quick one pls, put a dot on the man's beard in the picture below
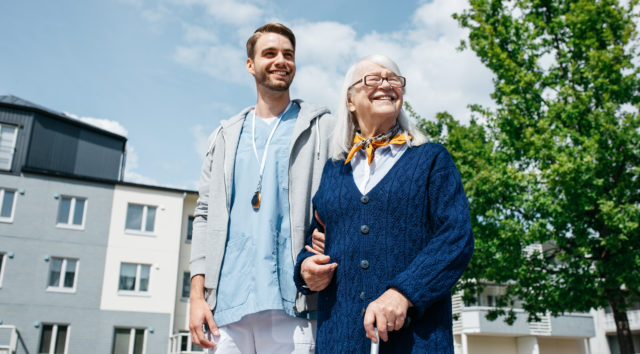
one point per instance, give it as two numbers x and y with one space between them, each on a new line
263 79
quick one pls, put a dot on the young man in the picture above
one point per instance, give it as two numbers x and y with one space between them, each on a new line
261 170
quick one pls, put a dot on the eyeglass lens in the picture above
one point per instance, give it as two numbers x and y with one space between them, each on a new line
376 80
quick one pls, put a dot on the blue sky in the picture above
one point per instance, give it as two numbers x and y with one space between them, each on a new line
165 72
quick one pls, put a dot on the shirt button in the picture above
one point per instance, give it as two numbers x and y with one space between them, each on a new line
363 311
364 199
364 229
364 264
362 296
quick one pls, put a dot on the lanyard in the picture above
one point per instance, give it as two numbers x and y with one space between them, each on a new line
255 201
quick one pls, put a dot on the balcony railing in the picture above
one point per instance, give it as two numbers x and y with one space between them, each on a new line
473 320
10 340
634 321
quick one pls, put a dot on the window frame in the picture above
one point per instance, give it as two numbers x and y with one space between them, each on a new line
54 337
72 208
13 147
63 270
189 235
136 287
144 220
186 284
132 338
184 337
13 204
3 265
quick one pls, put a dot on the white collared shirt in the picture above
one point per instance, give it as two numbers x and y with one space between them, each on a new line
367 176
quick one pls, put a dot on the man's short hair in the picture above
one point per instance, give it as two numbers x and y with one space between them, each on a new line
269 28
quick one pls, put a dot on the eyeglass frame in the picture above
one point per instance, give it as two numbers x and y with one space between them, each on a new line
383 79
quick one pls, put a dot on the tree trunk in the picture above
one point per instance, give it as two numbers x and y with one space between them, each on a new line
625 340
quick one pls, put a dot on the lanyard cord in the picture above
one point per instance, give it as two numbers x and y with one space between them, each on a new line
266 147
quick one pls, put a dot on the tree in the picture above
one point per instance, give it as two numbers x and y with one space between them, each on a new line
556 163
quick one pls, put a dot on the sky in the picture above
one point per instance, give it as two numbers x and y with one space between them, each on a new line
164 73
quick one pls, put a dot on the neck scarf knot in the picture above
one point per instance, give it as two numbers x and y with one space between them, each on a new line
370 145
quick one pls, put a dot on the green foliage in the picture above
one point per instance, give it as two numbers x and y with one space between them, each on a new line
556 163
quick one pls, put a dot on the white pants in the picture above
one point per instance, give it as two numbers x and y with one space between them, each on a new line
266 332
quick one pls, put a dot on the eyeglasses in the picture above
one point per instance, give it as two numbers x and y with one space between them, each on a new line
377 80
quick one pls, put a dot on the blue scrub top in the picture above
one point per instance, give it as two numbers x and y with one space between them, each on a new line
257 270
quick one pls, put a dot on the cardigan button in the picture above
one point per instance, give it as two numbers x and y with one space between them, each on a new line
364 264
363 312
364 199
364 229
362 296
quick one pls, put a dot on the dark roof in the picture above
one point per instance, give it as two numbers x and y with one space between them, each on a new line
105 181
17 102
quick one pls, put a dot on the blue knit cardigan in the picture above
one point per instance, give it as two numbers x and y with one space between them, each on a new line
411 232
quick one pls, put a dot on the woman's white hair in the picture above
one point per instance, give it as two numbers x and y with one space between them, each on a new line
346 121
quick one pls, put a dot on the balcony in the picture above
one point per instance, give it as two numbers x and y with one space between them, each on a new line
473 321
11 341
632 315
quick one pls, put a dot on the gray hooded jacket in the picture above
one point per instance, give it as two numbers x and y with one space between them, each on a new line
308 153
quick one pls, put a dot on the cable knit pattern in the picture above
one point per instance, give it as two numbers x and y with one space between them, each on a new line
411 232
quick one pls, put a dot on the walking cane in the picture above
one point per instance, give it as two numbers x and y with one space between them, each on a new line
375 347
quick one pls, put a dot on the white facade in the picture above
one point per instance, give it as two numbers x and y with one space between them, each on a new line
155 248
605 341
474 334
181 340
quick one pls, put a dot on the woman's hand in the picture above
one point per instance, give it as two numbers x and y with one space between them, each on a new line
317 238
387 313
315 271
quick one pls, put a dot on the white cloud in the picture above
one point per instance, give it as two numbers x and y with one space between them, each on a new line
223 62
200 139
228 11
440 78
198 34
102 123
324 44
317 85
130 173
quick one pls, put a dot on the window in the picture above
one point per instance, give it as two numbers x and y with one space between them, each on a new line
7 198
189 228
53 339
185 343
490 301
140 218
129 341
134 277
62 274
3 257
71 212
186 284
8 134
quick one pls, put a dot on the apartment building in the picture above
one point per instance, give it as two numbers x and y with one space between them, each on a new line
180 339
88 262
474 334
139 285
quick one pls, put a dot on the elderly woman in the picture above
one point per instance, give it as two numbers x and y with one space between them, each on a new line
398 233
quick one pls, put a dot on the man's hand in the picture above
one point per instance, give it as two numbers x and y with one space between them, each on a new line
317 238
199 314
316 272
387 312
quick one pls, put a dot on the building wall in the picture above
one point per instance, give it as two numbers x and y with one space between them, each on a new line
181 322
562 345
492 345
33 238
160 250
